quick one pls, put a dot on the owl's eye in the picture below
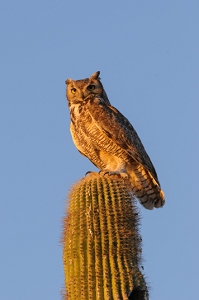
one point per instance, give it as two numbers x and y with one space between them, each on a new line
73 91
91 87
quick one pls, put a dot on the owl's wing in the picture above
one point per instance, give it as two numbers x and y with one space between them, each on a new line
108 119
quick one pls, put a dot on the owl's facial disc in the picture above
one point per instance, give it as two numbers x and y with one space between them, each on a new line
80 90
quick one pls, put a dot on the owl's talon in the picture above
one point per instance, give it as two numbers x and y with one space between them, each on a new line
104 172
89 173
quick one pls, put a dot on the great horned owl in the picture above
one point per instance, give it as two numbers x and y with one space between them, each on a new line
102 134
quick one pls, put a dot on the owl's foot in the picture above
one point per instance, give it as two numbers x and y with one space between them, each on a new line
121 174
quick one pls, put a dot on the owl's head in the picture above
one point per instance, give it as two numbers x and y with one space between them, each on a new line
80 90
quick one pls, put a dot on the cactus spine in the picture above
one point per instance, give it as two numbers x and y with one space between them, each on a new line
101 242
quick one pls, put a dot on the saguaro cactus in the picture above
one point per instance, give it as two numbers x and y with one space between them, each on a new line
101 242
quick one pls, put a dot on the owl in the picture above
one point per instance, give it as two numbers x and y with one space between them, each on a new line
102 134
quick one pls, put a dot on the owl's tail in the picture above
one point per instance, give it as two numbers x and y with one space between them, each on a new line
145 187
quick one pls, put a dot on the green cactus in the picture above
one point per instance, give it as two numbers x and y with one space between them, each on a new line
101 242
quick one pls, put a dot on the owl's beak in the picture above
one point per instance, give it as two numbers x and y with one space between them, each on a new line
82 96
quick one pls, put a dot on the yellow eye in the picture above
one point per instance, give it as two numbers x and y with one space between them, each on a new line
91 87
73 91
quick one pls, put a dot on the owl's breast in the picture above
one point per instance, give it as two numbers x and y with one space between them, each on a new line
83 131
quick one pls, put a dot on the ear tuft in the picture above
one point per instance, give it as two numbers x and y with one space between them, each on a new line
96 75
69 80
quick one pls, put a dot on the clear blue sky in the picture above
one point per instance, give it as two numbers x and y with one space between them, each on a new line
148 55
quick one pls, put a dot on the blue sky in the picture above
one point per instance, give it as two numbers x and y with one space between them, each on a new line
148 55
